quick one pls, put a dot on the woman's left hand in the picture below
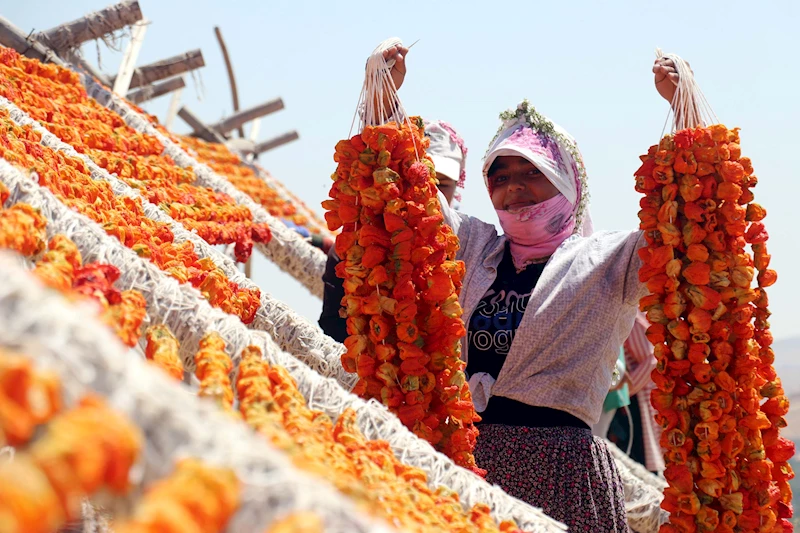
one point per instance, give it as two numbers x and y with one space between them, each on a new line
666 78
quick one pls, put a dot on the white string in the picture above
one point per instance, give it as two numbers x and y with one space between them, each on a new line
378 88
689 106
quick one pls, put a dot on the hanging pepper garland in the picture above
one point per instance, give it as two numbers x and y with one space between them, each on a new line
401 285
719 400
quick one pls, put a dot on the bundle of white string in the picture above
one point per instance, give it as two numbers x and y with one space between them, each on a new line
689 106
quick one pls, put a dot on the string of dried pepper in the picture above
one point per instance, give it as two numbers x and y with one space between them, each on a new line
162 350
22 228
28 397
365 470
42 488
726 462
195 497
213 366
401 286
298 522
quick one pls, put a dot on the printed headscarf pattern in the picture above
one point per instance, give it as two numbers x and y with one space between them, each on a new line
525 132
447 146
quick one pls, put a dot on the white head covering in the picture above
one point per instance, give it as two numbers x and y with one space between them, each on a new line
530 135
448 152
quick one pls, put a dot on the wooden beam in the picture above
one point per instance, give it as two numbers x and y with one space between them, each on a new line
95 25
200 129
243 146
126 69
155 90
246 115
231 77
76 59
13 37
167 68
276 142
172 110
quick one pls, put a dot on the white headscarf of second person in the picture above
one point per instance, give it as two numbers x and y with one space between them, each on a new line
449 155
536 230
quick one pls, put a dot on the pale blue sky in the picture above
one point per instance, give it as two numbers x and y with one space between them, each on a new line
586 64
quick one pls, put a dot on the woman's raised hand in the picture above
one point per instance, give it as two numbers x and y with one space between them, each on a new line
398 54
666 78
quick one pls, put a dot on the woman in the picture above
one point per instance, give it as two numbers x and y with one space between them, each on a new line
547 306
449 155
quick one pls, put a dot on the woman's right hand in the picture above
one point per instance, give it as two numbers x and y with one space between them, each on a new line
398 72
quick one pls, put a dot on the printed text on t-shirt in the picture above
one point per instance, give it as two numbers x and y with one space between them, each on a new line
496 319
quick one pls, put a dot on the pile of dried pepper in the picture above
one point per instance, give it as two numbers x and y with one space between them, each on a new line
60 266
718 398
42 488
122 217
195 497
401 283
54 97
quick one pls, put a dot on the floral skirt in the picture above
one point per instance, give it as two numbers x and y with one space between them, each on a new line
565 471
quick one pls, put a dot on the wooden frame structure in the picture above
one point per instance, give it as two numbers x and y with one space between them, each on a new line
61 45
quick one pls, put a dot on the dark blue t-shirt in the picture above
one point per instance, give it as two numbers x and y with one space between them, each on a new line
494 322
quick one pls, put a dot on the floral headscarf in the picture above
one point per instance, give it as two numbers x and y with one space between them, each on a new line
526 133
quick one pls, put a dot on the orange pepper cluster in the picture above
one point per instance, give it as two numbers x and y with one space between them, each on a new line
195 498
122 217
22 228
401 285
162 350
28 397
213 366
55 97
365 470
298 522
42 488
718 398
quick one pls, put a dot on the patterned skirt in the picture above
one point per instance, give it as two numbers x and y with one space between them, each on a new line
565 471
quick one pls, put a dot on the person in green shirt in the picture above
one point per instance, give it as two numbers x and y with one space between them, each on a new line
617 398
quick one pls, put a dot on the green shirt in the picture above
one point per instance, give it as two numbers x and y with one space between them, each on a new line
620 397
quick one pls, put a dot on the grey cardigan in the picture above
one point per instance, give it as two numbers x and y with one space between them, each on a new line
579 314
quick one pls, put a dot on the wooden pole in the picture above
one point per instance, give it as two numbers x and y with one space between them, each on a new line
155 90
200 129
255 127
126 69
231 77
246 115
276 142
95 25
13 37
167 68
172 111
